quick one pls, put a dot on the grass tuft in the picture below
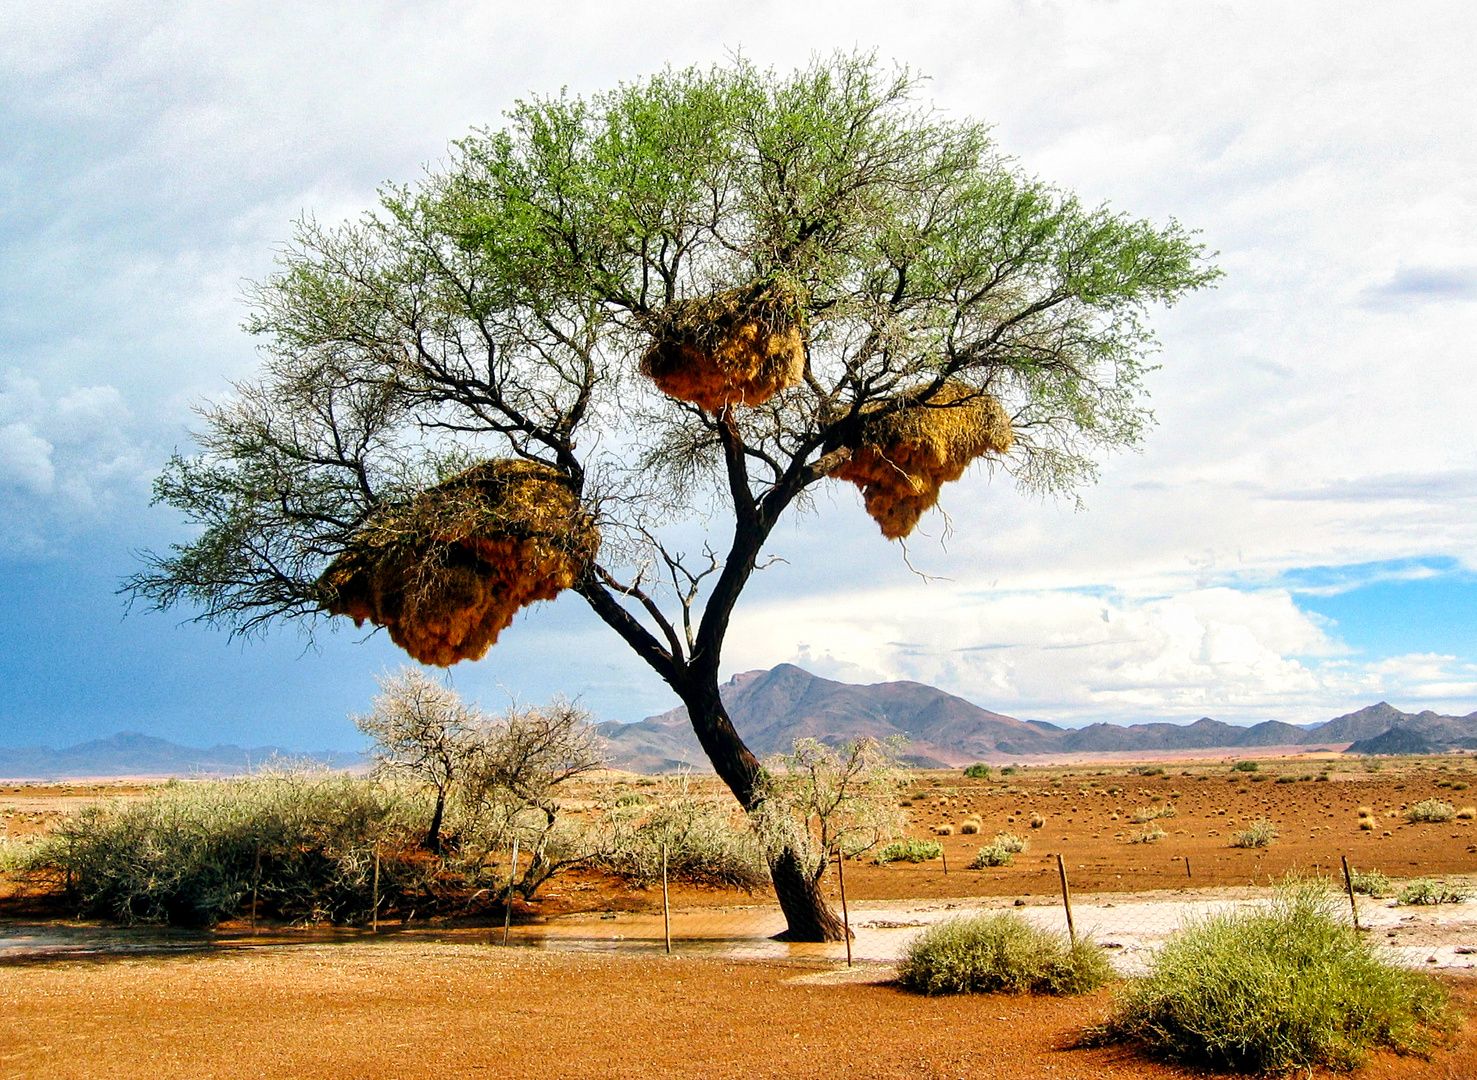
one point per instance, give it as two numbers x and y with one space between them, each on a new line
1285 987
1000 953
1259 833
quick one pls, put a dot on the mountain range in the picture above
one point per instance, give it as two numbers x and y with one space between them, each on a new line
773 708
131 754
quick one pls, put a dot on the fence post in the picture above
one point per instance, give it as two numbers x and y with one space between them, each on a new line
1349 884
945 856
256 879
512 879
1187 867
666 903
845 915
1061 869
374 912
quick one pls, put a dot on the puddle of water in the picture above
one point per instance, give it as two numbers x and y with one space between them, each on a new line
1134 929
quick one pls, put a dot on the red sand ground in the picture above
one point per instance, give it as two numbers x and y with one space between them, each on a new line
426 1010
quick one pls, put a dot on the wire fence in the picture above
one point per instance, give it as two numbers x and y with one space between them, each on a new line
1426 921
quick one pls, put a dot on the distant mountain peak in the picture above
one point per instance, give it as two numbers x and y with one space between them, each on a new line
773 708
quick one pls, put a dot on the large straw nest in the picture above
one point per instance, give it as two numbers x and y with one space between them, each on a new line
446 571
905 457
739 346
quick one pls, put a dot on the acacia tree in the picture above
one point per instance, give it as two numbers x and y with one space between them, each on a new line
498 307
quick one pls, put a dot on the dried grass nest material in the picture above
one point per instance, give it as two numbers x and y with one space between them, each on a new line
905 457
739 346
446 571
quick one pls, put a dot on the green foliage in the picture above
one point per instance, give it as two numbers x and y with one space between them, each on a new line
992 855
1000 953
978 771
908 850
1148 770
1370 882
1426 891
190 855
1245 766
1009 770
1276 989
504 295
1432 810
1259 833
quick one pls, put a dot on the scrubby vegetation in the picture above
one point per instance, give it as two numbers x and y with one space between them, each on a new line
991 855
194 854
978 771
1287 987
1432 810
909 850
1426 891
1000 953
1259 833
1370 883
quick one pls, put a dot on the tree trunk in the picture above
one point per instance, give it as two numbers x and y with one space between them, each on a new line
433 834
807 914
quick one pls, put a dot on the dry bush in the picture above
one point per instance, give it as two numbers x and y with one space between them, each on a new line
1148 836
1011 842
740 346
1467 813
446 571
1432 810
707 840
1259 833
905 457
969 828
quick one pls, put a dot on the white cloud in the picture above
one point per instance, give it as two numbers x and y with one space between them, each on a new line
25 460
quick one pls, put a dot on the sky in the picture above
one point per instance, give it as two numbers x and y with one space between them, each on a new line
1297 537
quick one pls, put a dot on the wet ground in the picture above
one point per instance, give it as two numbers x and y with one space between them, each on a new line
1130 926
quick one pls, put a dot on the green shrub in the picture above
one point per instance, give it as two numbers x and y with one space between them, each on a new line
1370 883
991 855
1011 842
1000 953
1286 987
1289 779
1426 891
978 771
908 850
1148 770
1009 770
190 854
1245 766
1431 810
1259 833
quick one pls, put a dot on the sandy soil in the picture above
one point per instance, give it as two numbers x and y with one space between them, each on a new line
434 1010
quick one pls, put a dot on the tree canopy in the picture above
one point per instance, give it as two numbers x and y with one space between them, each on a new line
570 290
